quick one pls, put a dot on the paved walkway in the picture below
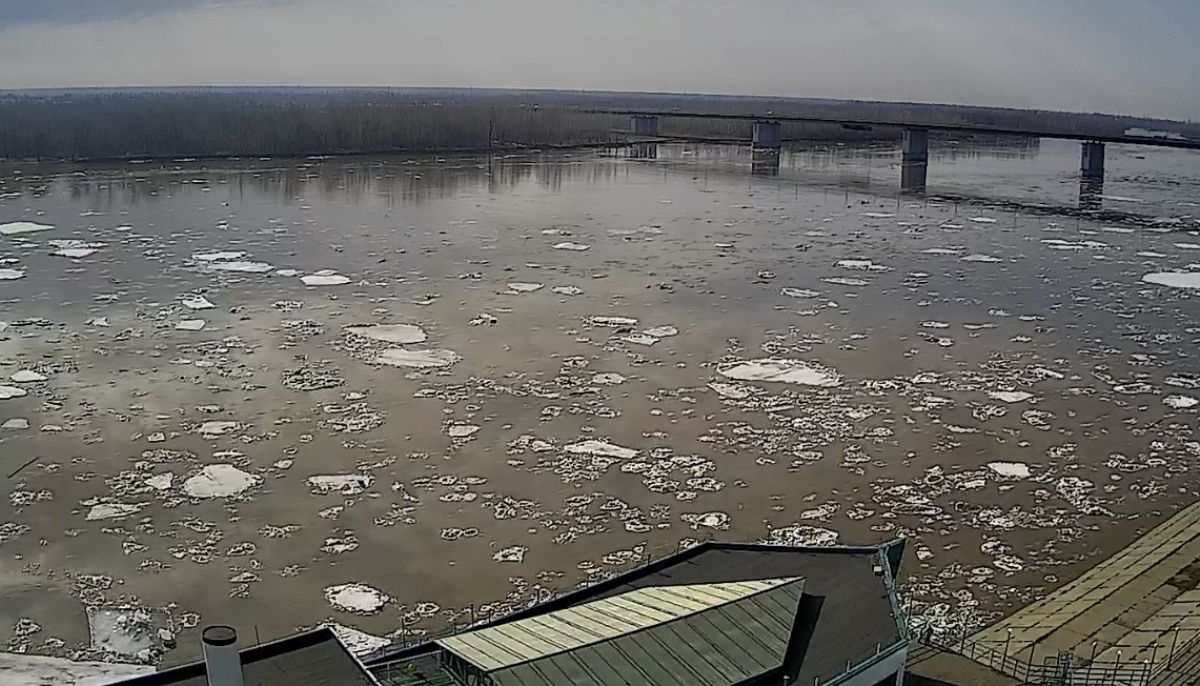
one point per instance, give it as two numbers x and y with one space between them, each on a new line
1128 617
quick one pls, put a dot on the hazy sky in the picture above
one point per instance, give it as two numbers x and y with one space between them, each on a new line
1135 57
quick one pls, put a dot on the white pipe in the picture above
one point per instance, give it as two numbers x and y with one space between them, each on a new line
222 662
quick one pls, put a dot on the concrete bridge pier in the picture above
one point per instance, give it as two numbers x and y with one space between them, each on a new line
767 134
643 125
914 166
916 146
1091 165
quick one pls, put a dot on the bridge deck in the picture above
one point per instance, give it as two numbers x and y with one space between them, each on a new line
1184 144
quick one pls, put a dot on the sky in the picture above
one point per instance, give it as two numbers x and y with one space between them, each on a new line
1139 58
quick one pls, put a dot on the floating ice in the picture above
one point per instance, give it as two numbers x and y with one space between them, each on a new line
1150 253
97 321
522 287
356 598
940 251
608 379
1010 396
709 520
74 248
217 427
325 277
799 292
1180 402
1188 246
345 484
219 481
567 290
461 430
802 535
15 228
160 482
190 325
614 322
514 553
783 371
418 359
982 220
113 510
7 274
225 256
241 266
578 247
27 376
15 423
400 334
197 302
1174 279
601 448
731 391
1010 470
640 339
842 281
661 331
9 392
862 265
878 215
980 257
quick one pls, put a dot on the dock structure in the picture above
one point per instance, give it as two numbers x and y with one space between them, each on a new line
1132 620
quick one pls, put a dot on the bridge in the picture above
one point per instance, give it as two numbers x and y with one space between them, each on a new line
767 135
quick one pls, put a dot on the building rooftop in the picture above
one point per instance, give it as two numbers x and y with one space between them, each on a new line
804 612
702 634
313 658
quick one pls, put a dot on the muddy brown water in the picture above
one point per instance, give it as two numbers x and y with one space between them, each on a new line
947 335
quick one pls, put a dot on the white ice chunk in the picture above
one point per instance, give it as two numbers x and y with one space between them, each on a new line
113 510
15 228
190 324
198 302
399 334
356 598
219 481
783 371
601 448
325 277
418 359
9 392
27 376
1010 470
1174 279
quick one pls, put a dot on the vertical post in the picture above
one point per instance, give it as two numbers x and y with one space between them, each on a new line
1174 642
1007 640
1091 165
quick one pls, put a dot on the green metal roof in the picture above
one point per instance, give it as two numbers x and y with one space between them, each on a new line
693 635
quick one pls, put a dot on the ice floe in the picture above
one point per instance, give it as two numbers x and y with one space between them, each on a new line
1010 470
27 376
1174 279
324 277
417 359
16 228
7 274
356 598
400 334
600 448
782 371
10 392
219 481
